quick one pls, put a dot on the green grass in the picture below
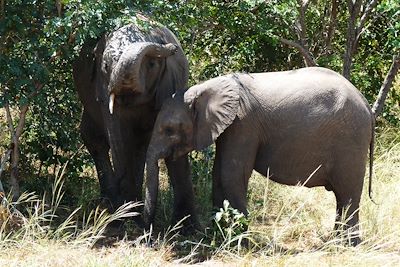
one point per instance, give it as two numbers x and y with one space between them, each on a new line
287 226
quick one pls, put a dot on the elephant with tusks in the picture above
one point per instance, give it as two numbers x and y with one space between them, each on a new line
122 81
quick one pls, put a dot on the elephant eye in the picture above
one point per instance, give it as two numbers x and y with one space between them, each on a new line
151 63
169 131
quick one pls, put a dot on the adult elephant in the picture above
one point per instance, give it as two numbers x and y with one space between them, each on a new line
308 126
122 80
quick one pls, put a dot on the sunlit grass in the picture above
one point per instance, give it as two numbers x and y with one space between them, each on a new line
32 219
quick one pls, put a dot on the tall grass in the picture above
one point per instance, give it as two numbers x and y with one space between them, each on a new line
39 219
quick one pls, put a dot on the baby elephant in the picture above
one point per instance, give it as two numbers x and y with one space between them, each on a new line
289 124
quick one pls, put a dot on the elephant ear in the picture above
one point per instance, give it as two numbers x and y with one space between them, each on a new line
96 72
176 74
214 105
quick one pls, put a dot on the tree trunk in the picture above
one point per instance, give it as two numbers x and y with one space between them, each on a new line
302 33
15 135
4 160
332 24
387 84
354 9
354 31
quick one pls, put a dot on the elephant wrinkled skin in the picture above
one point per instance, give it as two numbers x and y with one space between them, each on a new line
289 125
122 80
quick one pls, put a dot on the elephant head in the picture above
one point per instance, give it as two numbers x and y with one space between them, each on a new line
141 66
137 70
189 121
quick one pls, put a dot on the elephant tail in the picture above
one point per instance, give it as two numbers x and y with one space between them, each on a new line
371 160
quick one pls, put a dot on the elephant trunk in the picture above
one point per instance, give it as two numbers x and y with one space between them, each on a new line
116 143
157 149
126 76
151 188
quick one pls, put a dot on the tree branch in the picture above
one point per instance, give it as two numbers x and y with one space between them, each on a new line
1 8
332 23
371 5
304 51
21 122
256 8
386 85
59 7
354 11
302 31
10 122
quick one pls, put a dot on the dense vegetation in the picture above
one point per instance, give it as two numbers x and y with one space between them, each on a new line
40 112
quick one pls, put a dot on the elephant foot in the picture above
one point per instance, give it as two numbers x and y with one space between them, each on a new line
189 225
139 222
344 241
351 239
115 229
113 233
355 241
347 237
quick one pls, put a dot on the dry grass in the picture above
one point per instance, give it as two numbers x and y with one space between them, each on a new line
49 253
289 226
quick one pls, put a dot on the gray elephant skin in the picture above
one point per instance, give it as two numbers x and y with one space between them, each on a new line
122 79
290 125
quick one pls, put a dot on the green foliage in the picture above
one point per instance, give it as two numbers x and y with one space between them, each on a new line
201 168
375 55
228 226
223 36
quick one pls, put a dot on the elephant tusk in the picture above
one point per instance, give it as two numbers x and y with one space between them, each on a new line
111 103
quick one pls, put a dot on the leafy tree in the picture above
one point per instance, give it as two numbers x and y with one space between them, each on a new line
38 41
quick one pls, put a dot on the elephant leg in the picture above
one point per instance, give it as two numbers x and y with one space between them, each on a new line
96 142
347 217
347 187
179 173
131 181
234 163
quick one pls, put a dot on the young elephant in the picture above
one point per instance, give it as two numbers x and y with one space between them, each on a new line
293 123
